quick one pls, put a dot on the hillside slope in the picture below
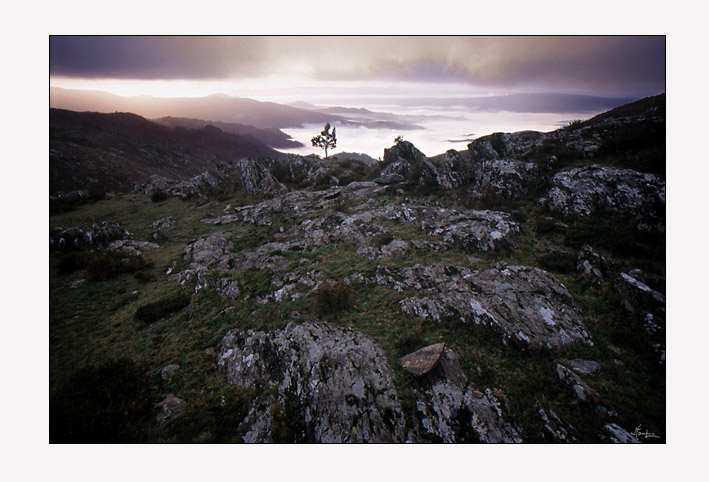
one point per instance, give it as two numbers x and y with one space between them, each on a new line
114 151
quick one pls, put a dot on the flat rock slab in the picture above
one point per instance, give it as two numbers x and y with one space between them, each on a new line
422 361
584 367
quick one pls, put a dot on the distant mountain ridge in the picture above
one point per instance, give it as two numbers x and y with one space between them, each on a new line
213 108
275 138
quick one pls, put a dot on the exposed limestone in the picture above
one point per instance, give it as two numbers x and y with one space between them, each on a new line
580 388
246 174
131 247
591 264
403 162
504 179
526 305
96 237
505 145
615 434
336 380
529 305
449 409
586 190
559 431
584 367
645 304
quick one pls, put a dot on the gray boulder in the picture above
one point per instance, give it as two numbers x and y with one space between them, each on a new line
335 381
587 190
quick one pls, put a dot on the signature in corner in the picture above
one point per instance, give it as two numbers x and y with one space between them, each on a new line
637 433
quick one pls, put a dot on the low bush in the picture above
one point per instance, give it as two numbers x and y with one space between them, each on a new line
106 403
558 262
158 196
104 265
333 297
160 309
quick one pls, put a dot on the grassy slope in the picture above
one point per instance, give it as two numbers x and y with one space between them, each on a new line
95 322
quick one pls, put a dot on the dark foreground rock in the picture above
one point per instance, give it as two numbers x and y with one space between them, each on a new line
334 382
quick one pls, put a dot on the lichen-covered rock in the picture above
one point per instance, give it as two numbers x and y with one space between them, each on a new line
257 179
584 367
613 433
559 431
422 361
472 230
646 304
403 162
530 305
246 174
525 305
449 409
335 383
504 179
580 388
592 265
170 408
586 190
505 145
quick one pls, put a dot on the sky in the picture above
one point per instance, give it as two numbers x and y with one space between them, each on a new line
419 75
629 66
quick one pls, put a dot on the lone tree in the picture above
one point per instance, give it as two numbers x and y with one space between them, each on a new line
326 139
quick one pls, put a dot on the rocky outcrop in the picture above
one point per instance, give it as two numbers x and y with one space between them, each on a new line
557 430
244 175
404 163
646 304
449 409
587 190
504 179
334 384
527 306
100 235
584 367
505 145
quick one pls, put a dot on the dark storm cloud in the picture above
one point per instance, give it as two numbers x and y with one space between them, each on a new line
134 57
607 65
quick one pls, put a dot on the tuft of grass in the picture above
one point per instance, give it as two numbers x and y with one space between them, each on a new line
256 281
159 196
104 265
